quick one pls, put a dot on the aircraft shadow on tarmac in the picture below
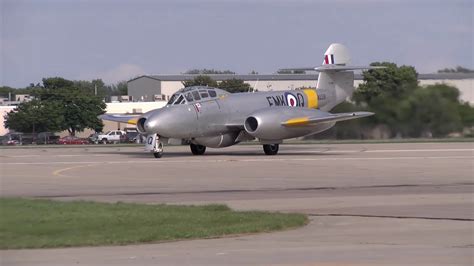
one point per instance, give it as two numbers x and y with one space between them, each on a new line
216 153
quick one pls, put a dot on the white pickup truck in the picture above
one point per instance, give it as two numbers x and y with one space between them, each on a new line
112 136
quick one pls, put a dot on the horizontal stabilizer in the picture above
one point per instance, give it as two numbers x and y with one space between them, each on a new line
129 119
328 68
308 121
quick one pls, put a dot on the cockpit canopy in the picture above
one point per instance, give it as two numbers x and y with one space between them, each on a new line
195 94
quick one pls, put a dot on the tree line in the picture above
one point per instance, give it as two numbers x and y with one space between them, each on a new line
403 108
59 104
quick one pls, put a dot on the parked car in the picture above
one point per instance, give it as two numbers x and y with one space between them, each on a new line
113 136
46 138
72 140
132 137
93 138
12 139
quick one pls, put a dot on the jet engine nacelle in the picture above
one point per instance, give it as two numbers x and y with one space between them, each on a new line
220 141
266 124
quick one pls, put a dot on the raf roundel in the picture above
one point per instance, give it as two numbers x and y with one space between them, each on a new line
291 100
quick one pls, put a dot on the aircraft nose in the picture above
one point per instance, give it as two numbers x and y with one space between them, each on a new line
152 124
175 122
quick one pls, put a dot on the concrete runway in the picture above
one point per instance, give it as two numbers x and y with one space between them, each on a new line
369 204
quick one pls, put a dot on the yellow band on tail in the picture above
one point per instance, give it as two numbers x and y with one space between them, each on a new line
312 97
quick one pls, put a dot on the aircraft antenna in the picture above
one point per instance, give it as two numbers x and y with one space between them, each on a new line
255 86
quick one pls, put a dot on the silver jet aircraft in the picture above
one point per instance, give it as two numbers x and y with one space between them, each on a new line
210 117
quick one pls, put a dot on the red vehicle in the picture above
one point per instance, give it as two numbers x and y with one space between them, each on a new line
72 140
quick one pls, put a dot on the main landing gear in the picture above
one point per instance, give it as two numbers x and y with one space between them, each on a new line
197 149
270 149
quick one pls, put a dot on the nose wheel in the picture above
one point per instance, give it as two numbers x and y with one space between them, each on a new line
158 151
270 149
154 145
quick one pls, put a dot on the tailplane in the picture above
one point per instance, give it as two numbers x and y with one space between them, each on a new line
336 75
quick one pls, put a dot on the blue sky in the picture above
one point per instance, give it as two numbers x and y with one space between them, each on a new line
118 40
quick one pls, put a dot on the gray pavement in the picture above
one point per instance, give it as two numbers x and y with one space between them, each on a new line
369 204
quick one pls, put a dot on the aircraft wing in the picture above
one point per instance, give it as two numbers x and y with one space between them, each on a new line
129 119
309 121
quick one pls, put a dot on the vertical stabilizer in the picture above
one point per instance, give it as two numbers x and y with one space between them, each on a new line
335 85
337 54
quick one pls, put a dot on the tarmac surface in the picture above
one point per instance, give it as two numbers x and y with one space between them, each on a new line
369 204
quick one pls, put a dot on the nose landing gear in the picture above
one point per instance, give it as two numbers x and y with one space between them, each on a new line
154 145
158 151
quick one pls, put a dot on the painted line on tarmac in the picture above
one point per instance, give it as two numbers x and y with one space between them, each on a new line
60 172
422 150
161 161
391 216
56 155
262 190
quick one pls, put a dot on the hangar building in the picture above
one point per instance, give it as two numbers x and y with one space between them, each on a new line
150 88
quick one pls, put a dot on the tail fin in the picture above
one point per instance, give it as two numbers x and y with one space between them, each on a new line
337 54
336 76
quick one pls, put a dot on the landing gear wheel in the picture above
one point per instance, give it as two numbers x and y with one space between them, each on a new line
197 149
158 150
270 149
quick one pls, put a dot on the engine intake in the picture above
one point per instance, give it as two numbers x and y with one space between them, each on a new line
251 124
141 125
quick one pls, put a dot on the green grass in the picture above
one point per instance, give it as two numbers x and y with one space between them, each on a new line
27 223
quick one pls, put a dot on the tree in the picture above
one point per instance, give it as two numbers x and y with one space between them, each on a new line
95 87
382 92
430 111
234 85
120 88
407 109
291 71
200 80
79 106
35 116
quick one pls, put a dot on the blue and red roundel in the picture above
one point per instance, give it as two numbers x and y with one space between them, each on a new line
291 99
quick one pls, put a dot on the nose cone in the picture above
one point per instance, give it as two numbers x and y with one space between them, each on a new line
151 124
172 122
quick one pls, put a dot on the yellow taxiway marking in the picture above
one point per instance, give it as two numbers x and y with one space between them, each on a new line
60 172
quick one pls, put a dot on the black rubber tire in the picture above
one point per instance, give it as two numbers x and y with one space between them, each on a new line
158 154
197 149
271 149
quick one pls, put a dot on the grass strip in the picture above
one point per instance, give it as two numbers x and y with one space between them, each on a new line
33 223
